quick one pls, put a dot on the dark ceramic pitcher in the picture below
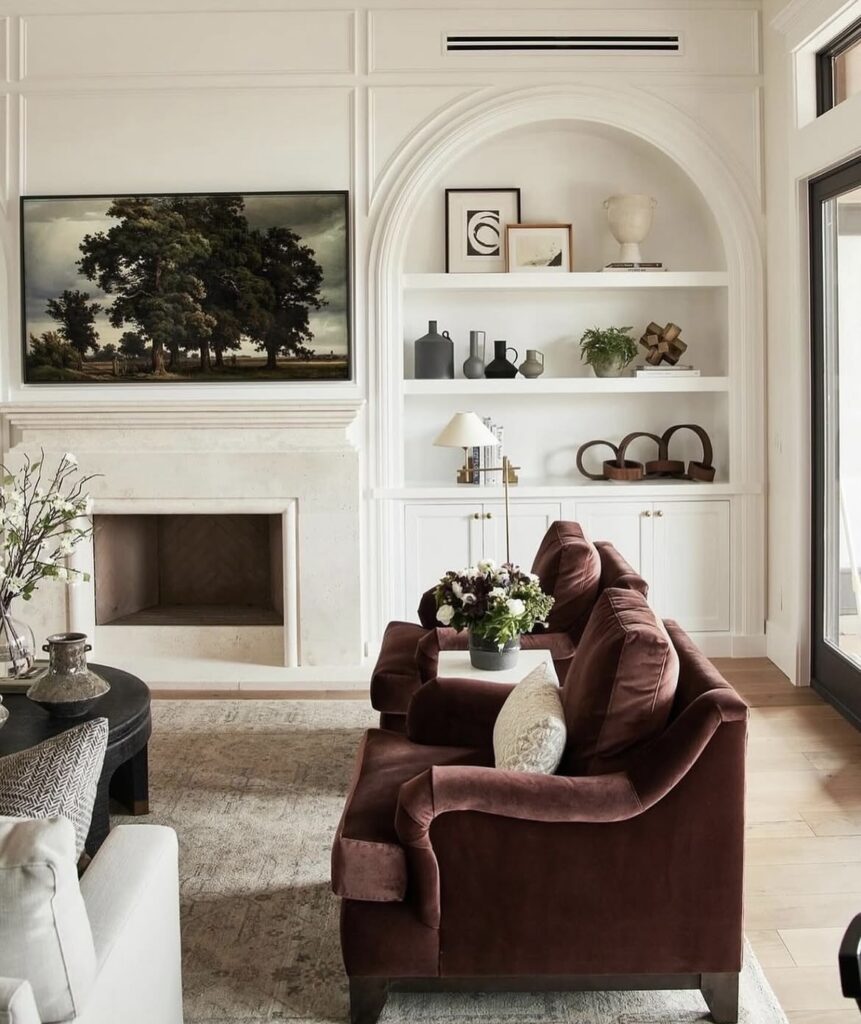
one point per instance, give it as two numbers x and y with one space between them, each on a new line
500 366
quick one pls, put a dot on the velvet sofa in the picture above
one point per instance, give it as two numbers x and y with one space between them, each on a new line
571 569
622 871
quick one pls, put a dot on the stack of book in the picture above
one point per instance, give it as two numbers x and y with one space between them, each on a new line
488 457
666 370
629 267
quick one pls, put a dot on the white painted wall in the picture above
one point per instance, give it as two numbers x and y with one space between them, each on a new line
312 95
798 146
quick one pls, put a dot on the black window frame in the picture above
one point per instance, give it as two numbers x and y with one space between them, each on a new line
825 66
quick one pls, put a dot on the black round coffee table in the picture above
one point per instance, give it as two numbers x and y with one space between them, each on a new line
125 775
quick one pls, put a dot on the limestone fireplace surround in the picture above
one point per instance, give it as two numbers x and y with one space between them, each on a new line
295 462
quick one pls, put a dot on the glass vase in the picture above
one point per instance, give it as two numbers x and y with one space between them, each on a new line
17 647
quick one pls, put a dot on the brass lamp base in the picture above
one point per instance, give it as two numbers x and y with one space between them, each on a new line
465 473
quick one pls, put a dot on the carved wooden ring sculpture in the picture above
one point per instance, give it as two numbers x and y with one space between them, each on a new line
592 444
628 469
703 470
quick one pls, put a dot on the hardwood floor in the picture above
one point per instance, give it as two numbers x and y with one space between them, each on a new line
803 875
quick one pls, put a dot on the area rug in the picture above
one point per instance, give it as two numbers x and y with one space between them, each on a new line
255 791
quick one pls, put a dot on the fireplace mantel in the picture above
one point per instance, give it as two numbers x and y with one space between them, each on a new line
294 458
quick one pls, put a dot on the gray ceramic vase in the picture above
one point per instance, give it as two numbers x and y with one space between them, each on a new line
434 355
473 367
489 657
67 688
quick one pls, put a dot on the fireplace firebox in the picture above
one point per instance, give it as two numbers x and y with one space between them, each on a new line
188 570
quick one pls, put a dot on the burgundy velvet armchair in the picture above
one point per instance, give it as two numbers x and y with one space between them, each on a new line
456 875
571 569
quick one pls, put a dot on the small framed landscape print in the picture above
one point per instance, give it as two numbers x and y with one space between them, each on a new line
539 248
475 224
195 287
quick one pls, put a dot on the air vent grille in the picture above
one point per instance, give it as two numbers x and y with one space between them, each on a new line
591 43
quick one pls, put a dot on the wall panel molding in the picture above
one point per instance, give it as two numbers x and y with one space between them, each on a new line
59 46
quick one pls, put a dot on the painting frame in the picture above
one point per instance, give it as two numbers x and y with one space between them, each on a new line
458 259
562 246
345 373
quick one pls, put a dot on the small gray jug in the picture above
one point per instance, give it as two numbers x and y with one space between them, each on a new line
473 367
67 688
533 364
434 355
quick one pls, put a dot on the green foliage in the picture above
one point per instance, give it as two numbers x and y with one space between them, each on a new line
496 603
76 317
50 349
611 345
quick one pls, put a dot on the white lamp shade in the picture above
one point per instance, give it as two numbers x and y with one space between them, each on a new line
465 430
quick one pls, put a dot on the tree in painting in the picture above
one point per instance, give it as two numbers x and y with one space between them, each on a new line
76 317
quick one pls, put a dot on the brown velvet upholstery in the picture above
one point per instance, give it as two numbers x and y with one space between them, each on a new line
621 687
456 712
368 862
569 567
408 656
508 875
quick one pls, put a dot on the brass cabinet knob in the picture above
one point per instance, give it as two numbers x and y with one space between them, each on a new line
646 513
488 515
476 515
658 513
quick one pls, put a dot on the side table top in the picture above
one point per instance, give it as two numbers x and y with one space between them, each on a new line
456 665
126 706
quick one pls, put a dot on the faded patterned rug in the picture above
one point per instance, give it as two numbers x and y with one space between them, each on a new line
255 790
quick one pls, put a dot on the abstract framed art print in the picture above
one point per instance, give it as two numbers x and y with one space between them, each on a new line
475 223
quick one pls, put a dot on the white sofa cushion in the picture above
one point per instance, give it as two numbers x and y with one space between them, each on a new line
529 734
45 935
56 778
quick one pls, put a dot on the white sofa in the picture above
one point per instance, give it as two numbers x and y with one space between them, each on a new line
131 895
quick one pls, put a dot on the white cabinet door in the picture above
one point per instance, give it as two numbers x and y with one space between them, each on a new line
528 522
691 564
625 524
437 538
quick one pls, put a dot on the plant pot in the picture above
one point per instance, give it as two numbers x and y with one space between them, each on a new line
487 655
611 368
17 648
67 688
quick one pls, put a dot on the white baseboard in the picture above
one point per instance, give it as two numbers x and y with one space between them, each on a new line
730 645
781 648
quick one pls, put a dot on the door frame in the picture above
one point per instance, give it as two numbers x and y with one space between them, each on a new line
832 675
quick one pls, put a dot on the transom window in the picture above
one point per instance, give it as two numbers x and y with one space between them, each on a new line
838 69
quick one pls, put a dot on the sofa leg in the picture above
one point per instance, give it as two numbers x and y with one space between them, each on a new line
720 992
367 998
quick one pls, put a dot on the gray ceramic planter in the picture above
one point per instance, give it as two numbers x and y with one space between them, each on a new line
487 656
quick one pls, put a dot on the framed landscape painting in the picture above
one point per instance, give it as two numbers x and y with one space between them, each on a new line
209 287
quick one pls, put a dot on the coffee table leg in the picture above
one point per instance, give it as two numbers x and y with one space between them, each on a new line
130 783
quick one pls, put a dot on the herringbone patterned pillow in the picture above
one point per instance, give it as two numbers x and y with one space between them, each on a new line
57 778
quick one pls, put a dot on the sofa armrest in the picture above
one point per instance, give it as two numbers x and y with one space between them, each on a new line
131 891
456 712
427 609
593 800
17 1002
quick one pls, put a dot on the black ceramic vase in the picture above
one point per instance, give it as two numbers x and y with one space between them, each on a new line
434 355
500 366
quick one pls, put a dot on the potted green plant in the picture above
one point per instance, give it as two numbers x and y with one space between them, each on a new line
607 351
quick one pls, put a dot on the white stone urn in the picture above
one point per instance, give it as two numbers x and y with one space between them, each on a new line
630 218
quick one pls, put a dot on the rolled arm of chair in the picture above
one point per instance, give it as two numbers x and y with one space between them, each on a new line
427 609
595 799
17 1002
456 712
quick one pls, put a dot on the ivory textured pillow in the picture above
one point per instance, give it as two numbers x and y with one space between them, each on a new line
529 734
45 934
57 778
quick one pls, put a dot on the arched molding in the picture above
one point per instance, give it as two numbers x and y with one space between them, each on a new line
731 198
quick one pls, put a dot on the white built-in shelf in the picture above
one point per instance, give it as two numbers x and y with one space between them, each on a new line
566 489
523 387
553 281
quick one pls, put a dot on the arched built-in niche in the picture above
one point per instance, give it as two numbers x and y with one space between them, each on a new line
719 196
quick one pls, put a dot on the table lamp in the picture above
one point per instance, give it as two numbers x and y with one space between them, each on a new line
465 430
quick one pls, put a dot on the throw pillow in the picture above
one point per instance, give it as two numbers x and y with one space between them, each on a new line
45 934
620 690
569 567
529 734
57 778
